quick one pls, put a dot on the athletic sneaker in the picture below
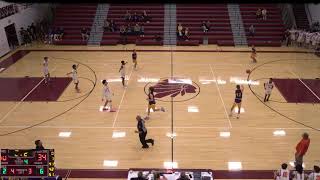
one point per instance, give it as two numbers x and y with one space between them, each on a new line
162 109
152 142
238 116
145 147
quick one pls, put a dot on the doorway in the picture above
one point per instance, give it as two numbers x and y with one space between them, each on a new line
12 36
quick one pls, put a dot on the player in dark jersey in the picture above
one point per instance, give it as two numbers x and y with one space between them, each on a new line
152 102
253 54
237 100
134 59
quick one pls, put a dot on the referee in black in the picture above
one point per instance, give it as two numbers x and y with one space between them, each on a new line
142 130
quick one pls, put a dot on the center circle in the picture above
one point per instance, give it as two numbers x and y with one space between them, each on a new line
173 89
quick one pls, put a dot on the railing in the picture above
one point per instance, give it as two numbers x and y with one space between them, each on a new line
288 17
306 7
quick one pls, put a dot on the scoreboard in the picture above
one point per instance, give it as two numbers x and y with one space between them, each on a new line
27 163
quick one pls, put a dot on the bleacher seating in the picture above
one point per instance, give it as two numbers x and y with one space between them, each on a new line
117 12
72 18
192 16
267 32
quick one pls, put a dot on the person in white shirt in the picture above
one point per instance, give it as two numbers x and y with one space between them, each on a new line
315 175
300 38
122 71
283 173
298 174
293 36
264 14
268 86
314 40
46 69
308 39
107 96
75 79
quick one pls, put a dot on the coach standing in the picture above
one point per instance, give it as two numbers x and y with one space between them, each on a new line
142 130
302 148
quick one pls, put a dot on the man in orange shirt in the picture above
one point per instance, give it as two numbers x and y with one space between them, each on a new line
302 148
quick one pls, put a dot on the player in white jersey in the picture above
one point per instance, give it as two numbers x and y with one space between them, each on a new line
283 173
122 71
107 95
74 73
46 69
268 86
300 39
315 175
298 174
314 40
308 39
292 36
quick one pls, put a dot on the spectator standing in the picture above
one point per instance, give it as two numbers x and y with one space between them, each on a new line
264 14
186 34
301 149
251 30
39 145
84 34
142 31
183 176
258 14
142 130
204 27
113 25
107 26
137 29
180 28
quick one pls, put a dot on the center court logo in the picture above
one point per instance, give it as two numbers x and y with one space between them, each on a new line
177 88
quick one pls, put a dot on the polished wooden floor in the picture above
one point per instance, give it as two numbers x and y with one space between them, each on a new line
198 143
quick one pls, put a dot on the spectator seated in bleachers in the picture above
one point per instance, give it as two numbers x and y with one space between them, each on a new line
315 174
251 30
157 37
204 27
127 16
145 17
179 31
137 29
85 32
56 34
107 26
264 14
122 30
259 14
136 17
61 33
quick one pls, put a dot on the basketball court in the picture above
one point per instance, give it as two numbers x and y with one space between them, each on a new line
204 136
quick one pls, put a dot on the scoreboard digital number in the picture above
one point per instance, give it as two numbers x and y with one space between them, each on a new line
27 163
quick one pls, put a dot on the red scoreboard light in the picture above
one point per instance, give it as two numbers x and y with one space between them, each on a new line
27 163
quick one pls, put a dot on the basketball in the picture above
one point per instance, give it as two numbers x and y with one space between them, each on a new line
248 71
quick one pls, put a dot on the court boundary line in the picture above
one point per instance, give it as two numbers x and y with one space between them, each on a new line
225 109
123 94
154 127
305 84
25 97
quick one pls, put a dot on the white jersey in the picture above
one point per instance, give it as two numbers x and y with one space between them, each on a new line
75 76
293 35
123 71
314 176
297 176
268 87
314 39
45 68
301 37
283 174
308 37
106 92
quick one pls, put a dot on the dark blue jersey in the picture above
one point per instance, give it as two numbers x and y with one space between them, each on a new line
238 94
